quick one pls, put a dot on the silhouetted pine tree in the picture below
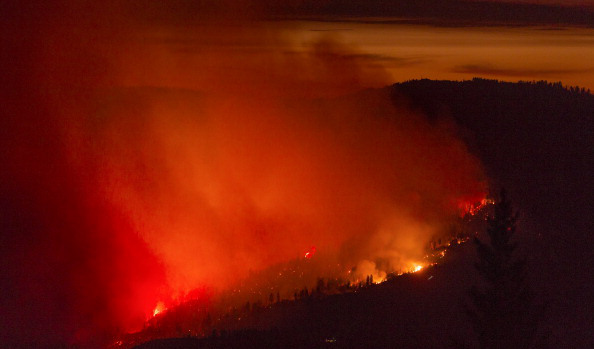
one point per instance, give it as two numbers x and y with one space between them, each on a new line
502 311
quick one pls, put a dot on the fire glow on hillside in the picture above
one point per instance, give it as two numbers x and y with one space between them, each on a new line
157 184
301 279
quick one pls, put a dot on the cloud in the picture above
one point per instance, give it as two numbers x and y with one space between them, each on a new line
491 70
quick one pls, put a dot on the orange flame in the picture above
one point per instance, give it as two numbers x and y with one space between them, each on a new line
159 308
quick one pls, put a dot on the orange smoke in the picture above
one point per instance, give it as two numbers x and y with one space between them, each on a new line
218 186
182 158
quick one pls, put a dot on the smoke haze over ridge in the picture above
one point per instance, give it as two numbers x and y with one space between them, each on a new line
144 161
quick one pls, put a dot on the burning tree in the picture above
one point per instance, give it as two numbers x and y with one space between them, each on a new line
503 314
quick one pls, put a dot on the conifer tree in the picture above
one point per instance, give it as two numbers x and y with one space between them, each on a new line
502 310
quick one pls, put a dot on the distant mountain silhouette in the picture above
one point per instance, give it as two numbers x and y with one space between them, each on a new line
535 139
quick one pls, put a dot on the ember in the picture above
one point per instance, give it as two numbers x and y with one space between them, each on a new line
311 252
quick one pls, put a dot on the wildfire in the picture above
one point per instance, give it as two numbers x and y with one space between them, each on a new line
310 253
360 276
159 308
472 209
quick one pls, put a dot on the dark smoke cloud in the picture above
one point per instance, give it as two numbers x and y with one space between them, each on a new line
143 161
490 70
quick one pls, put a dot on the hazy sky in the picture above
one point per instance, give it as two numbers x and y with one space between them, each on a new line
413 52
404 51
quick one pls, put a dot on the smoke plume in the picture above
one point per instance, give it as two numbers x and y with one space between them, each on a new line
145 160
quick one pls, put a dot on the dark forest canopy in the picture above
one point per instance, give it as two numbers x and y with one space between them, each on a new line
528 135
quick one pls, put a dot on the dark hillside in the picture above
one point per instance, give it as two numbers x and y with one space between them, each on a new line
420 310
536 140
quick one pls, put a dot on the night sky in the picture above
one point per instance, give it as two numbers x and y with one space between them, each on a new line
151 151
